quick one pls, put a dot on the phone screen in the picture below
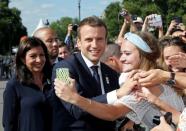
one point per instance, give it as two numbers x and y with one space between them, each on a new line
63 74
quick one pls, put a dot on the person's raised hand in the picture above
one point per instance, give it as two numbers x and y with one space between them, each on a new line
69 29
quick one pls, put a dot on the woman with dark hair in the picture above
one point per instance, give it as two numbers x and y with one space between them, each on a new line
25 96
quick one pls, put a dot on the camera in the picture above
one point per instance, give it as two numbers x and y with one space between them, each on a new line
75 27
155 20
123 13
167 116
134 17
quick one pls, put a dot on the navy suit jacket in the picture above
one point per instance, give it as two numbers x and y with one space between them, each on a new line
68 117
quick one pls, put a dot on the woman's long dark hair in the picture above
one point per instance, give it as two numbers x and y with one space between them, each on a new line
23 74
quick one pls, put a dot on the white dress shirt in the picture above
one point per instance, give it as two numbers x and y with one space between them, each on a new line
111 96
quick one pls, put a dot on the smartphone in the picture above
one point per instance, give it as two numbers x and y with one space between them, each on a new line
123 13
63 74
74 27
155 20
177 19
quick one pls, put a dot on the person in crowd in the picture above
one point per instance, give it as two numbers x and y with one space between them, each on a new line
154 77
49 37
176 29
68 39
138 21
7 61
71 31
128 21
145 94
157 76
179 33
178 118
148 24
173 25
176 60
111 57
64 52
94 79
172 57
172 47
25 97
139 51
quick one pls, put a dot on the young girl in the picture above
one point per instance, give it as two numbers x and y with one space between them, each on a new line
139 51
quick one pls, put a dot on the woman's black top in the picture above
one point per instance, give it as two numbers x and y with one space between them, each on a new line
26 107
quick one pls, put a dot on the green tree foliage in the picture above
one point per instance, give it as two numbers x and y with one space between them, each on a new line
112 20
166 8
11 28
5 2
60 26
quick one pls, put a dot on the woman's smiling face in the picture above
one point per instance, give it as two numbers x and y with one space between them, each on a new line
130 56
35 59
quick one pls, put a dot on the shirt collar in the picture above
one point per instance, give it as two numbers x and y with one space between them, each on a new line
56 60
88 62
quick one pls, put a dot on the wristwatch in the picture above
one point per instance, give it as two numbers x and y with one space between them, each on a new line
171 82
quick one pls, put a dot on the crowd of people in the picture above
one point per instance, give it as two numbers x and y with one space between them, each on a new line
6 66
103 86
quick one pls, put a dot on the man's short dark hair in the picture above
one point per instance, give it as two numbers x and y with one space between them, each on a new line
93 21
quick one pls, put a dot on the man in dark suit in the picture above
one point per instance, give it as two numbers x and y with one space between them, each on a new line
92 41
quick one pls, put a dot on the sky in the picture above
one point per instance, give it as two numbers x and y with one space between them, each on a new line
34 10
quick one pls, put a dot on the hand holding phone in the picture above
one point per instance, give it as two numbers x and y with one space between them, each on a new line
63 74
155 20
123 12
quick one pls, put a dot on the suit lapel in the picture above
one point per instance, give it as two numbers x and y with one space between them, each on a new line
86 74
82 62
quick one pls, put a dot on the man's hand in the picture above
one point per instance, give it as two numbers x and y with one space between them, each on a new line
64 91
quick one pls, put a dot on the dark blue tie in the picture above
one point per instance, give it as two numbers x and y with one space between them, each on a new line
97 79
